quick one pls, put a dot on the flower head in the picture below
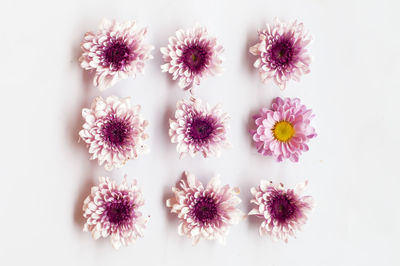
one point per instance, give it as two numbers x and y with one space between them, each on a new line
115 52
204 212
112 210
191 55
198 128
281 52
283 211
284 130
113 131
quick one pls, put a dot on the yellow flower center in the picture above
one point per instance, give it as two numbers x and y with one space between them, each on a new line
283 131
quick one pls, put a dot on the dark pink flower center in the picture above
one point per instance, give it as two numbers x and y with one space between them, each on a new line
120 211
205 209
281 52
116 132
195 57
117 54
281 208
201 129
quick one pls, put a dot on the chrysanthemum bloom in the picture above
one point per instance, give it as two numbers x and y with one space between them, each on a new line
112 210
198 128
115 52
284 130
113 131
284 212
192 55
204 212
281 52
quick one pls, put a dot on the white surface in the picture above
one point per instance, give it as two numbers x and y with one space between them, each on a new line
352 165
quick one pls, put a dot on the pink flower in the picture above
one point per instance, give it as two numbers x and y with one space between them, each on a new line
112 210
191 55
284 212
284 130
115 52
113 131
281 52
204 212
198 128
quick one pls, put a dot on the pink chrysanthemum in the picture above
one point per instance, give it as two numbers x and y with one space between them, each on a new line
282 53
198 128
284 130
113 131
204 212
115 52
284 211
112 210
192 55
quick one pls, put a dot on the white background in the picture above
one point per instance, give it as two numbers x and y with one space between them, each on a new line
352 165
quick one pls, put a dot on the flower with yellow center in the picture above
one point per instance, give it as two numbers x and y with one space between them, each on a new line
283 131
